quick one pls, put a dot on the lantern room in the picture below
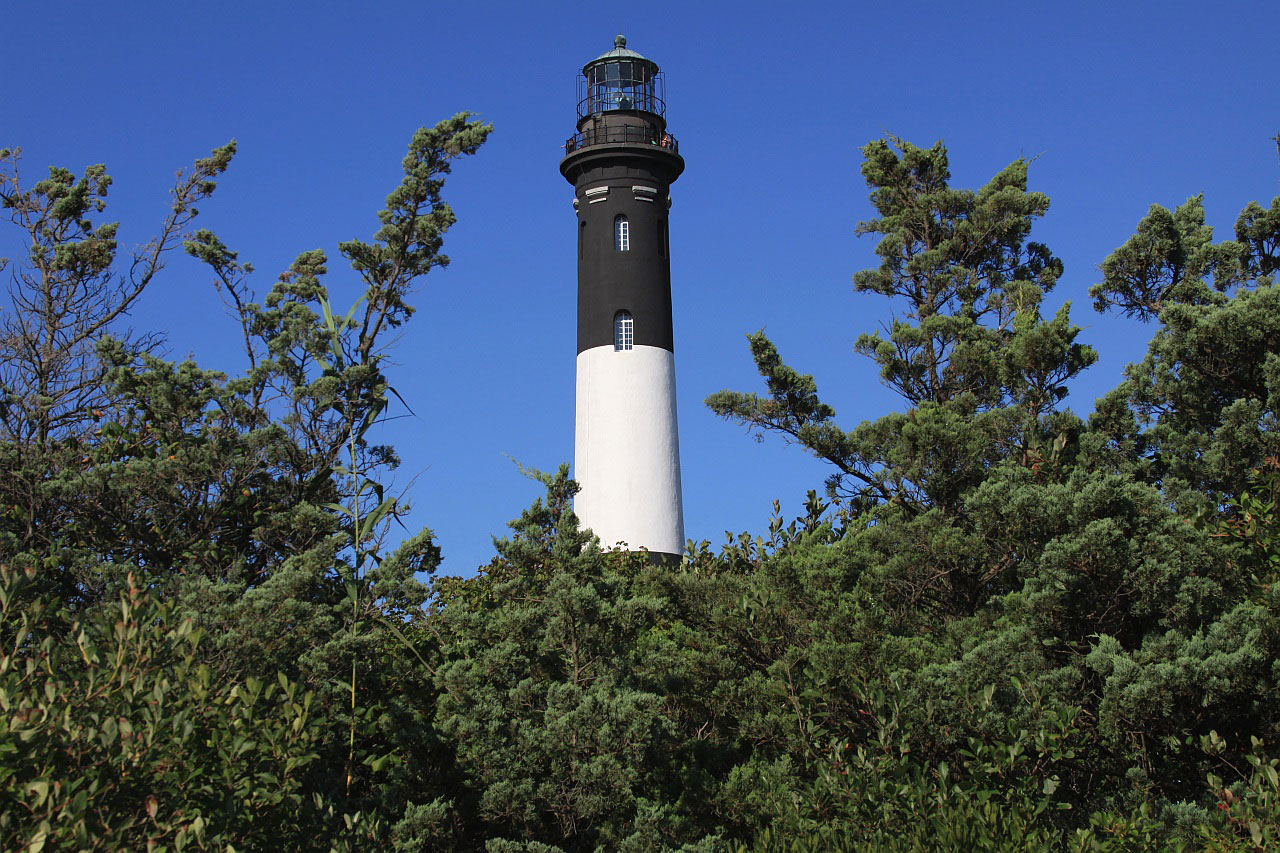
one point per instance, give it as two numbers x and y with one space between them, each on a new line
621 101
620 79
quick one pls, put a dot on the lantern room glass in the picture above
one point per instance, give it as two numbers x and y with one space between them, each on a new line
622 85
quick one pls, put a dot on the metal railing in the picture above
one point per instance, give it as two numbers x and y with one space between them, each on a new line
607 101
621 133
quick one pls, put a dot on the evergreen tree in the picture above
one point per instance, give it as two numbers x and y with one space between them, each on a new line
71 290
1199 413
249 505
981 371
562 735
992 545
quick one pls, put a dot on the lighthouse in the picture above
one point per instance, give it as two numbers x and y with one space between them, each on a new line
622 161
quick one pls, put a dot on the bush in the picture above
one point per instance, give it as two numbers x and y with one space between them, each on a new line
116 736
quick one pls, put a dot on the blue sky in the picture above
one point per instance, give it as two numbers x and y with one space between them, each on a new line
1120 104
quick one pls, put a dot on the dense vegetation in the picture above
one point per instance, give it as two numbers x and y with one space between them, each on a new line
1001 626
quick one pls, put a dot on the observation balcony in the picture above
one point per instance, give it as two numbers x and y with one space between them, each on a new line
629 134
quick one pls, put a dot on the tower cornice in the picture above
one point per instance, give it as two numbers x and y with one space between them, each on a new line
662 161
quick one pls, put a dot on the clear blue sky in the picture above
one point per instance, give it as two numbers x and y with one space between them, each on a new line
1121 104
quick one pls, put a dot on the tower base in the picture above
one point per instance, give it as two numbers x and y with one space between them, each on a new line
626 450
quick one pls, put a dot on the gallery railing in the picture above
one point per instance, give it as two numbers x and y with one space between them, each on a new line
634 134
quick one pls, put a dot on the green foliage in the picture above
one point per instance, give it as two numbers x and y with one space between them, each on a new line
1167 262
980 368
543 689
70 290
881 796
1199 411
117 735
1202 405
1248 812
250 507
989 538
1002 628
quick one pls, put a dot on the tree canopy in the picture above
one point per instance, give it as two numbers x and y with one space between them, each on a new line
1002 625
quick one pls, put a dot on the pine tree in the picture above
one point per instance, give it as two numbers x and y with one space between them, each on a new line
251 505
980 370
562 735
1199 413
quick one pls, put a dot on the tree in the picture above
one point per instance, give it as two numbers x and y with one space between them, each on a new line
561 734
70 291
992 545
226 478
977 349
1199 413
117 735
252 505
980 369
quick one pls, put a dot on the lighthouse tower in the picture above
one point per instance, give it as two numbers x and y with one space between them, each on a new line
622 162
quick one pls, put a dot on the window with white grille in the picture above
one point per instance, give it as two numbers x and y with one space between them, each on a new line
624 331
621 233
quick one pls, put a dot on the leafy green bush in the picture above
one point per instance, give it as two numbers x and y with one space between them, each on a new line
116 736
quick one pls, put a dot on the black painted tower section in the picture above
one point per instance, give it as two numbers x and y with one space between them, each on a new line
622 161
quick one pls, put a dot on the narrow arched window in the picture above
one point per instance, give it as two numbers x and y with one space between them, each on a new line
662 236
621 233
582 235
624 331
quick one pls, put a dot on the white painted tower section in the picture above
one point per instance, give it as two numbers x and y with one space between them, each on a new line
626 449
